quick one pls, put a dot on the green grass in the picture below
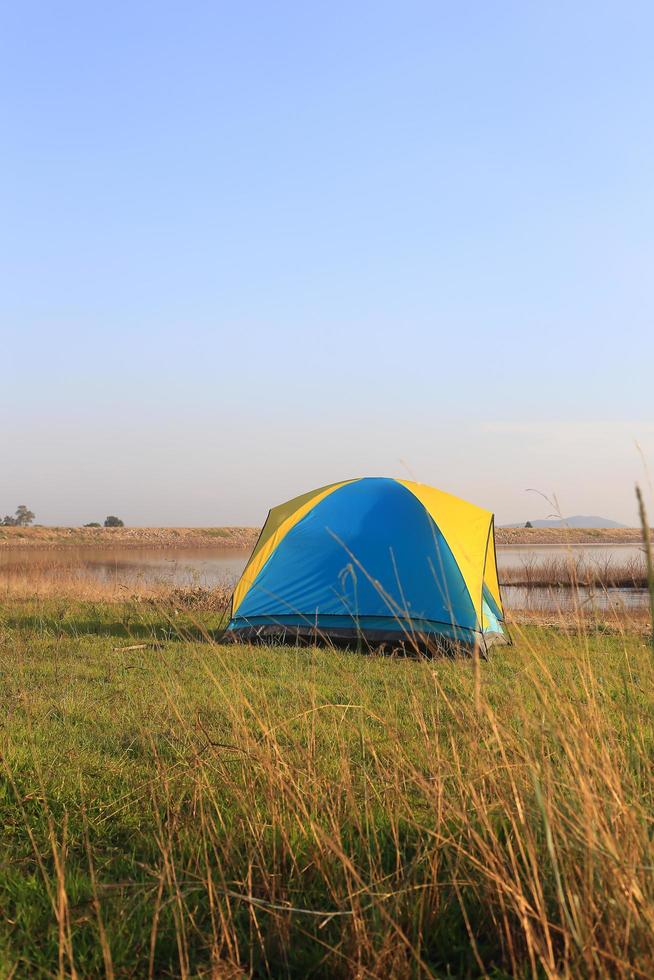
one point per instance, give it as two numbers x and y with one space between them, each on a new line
190 809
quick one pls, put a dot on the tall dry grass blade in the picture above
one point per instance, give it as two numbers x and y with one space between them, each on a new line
648 554
102 932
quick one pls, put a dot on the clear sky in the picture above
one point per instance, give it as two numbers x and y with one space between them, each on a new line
252 248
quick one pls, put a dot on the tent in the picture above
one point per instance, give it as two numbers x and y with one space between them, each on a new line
373 559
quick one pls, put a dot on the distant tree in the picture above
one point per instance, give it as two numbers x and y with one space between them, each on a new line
93 524
24 516
112 521
8 521
529 524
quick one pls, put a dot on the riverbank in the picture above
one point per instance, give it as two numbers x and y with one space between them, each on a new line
236 538
244 538
568 535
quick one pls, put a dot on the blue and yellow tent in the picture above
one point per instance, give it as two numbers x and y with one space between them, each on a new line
377 559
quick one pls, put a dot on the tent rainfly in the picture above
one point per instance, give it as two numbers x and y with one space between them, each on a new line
376 560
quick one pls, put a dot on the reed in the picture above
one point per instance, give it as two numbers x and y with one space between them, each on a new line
58 583
648 553
58 580
572 571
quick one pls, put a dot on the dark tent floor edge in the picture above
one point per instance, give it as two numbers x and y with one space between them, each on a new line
363 631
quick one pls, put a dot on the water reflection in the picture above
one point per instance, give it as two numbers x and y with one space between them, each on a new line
210 567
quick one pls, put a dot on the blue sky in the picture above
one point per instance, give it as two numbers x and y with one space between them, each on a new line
253 248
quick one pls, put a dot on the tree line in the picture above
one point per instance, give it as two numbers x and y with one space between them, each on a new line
23 516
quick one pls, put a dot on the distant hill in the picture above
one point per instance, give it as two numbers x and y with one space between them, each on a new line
579 520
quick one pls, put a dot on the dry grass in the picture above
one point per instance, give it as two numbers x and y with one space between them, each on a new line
55 580
243 538
58 582
618 619
568 535
573 570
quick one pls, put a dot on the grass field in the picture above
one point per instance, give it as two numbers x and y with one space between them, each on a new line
189 809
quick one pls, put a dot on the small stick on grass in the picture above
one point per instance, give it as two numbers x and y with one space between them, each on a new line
137 646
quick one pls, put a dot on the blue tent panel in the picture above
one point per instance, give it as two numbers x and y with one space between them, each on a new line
336 567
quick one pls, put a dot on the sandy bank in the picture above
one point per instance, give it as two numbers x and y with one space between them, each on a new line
245 537
129 537
570 535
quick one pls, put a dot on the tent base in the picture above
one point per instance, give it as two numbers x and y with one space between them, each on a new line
370 640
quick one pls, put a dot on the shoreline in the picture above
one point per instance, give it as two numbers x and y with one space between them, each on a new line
568 535
244 538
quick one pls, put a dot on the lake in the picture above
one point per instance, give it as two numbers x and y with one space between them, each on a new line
209 567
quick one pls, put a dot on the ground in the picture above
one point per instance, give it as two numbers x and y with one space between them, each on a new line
128 537
175 807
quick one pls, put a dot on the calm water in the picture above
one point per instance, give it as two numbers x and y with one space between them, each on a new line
517 597
214 566
601 555
131 566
